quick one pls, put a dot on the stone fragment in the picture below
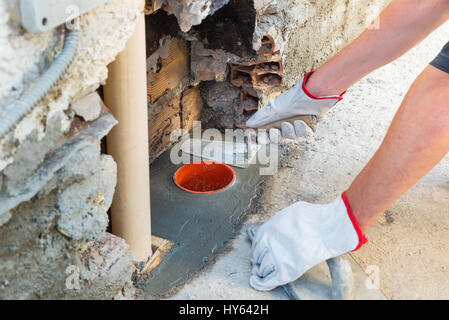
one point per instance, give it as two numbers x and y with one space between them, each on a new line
105 269
220 101
208 64
84 205
88 135
88 107
191 12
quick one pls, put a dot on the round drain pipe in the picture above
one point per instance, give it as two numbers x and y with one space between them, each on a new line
125 94
204 177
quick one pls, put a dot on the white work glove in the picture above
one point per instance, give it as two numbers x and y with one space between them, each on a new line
292 105
298 238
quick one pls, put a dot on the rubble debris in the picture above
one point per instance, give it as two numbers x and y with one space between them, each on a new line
206 64
230 29
88 107
192 12
222 104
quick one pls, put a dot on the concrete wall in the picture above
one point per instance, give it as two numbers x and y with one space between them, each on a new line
306 32
55 184
314 31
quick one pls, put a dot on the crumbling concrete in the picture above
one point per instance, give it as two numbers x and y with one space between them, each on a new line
40 180
88 107
229 29
321 30
270 44
321 26
192 12
56 186
84 205
24 57
103 266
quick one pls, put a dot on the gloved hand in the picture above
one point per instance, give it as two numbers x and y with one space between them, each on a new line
298 238
294 104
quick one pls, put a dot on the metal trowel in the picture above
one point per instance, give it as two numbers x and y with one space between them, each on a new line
238 154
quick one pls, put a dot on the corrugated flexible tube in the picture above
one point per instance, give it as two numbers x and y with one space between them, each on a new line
22 106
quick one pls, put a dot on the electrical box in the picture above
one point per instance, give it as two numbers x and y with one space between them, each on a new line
43 15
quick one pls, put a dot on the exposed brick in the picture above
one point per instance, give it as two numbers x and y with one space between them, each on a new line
172 70
256 77
162 125
259 75
191 106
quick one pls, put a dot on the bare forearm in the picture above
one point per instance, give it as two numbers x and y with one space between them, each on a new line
417 140
403 24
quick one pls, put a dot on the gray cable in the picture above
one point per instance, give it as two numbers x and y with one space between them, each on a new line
22 106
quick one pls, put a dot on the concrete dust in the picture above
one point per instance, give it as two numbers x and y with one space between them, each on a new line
408 244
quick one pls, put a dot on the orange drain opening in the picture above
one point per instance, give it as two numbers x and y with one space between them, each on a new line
204 177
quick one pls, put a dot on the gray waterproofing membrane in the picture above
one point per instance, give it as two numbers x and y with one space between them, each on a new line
197 224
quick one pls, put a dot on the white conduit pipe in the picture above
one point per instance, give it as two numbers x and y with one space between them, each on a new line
31 97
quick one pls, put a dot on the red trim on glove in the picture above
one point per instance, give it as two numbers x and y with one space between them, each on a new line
362 238
311 95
